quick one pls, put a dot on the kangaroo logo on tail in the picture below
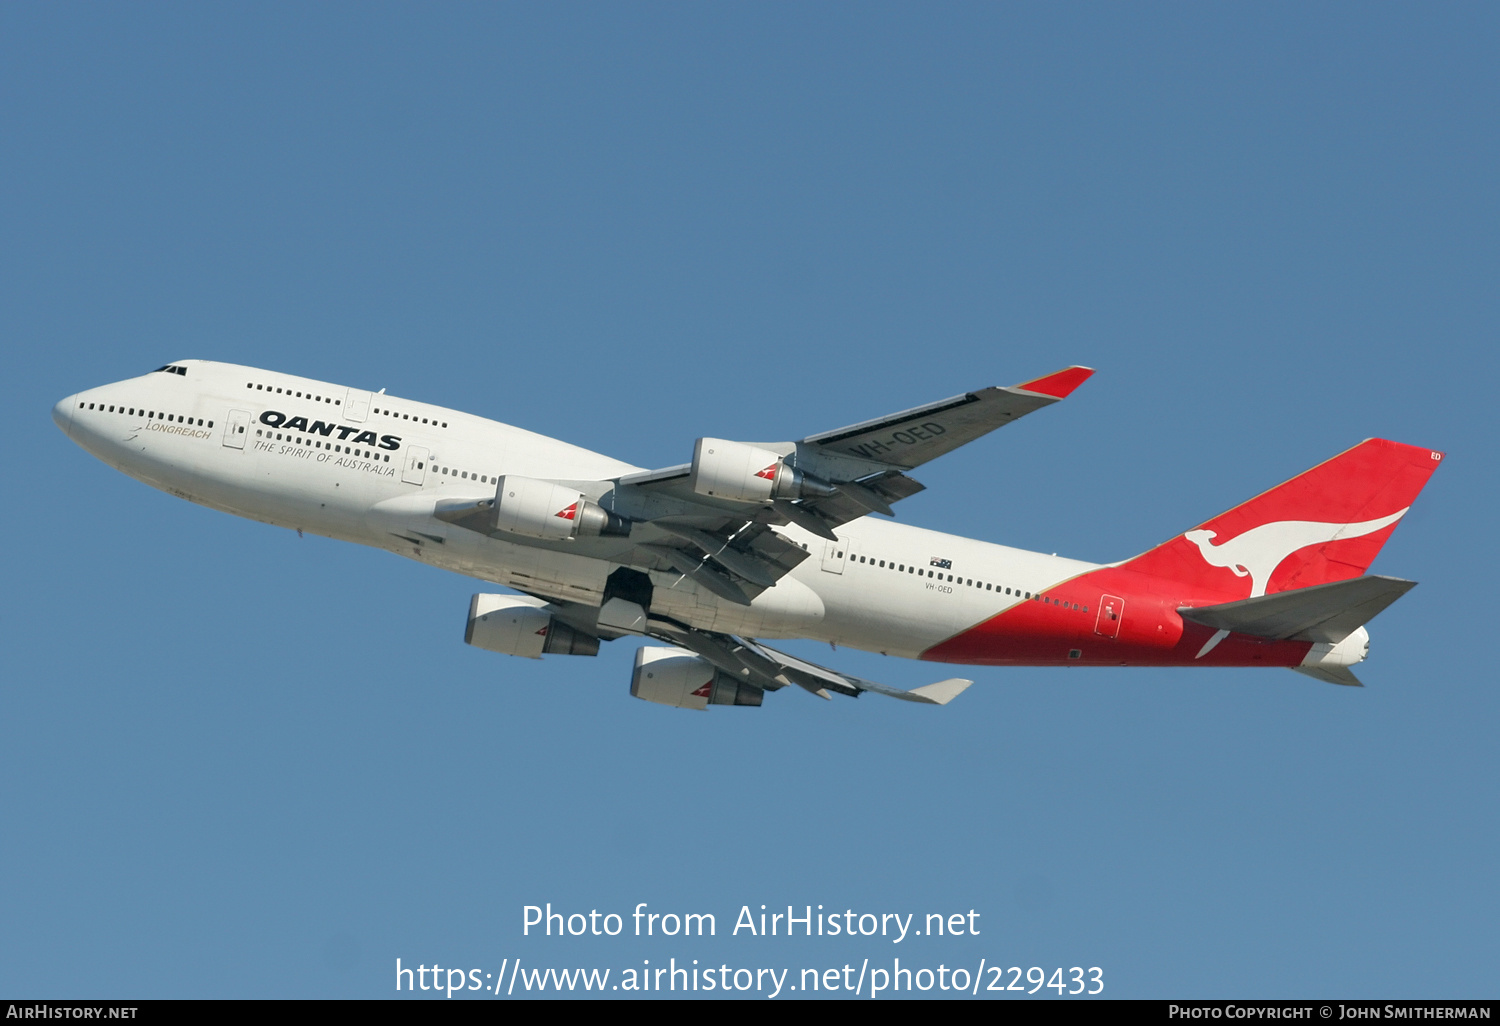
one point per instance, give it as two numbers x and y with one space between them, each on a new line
1259 551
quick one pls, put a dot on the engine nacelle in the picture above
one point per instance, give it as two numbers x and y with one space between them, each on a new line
677 677
519 626
552 512
747 473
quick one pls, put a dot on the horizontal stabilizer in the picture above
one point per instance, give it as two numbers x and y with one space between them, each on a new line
1331 675
1323 613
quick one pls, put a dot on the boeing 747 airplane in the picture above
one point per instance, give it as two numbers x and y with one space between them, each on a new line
755 541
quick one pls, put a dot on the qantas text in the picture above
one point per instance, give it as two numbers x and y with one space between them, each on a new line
272 418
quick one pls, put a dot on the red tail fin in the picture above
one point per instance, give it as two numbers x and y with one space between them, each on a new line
1324 525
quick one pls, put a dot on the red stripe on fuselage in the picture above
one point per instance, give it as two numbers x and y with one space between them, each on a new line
1043 631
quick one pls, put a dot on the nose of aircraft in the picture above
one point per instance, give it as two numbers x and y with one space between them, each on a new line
62 414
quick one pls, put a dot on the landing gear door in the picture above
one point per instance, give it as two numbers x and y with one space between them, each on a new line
834 554
236 428
1111 608
415 470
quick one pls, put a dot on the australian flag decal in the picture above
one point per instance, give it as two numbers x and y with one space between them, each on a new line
942 564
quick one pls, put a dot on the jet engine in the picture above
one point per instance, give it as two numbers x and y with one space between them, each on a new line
747 473
677 677
553 512
519 626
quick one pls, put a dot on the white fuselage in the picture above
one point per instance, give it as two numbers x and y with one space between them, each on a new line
370 468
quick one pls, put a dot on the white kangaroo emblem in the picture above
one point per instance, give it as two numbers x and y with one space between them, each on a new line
1259 551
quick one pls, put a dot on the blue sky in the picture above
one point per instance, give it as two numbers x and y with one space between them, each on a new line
240 763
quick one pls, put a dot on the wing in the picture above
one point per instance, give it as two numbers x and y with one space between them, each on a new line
716 529
770 670
713 519
912 437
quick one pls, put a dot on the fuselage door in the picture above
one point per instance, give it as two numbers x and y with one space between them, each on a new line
415 470
1111 608
236 428
834 554
356 405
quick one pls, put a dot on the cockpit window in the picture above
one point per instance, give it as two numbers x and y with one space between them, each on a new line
171 370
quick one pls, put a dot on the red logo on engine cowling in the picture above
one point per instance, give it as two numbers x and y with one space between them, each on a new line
569 513
769 473
704 690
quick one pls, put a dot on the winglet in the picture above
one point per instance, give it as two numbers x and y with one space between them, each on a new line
941 693
1061 384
